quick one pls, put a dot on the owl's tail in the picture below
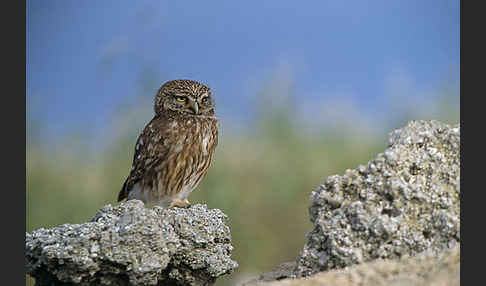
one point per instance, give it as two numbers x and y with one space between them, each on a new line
123 194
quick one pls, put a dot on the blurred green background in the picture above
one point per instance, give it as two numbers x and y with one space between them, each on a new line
261 176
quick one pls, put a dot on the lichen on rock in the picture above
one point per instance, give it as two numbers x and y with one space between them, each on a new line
133 245
403 202
424 269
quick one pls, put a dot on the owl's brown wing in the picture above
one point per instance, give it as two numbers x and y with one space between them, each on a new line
154 145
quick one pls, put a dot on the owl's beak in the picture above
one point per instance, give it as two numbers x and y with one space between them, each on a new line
194 106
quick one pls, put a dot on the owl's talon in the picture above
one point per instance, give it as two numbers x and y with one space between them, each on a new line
180 203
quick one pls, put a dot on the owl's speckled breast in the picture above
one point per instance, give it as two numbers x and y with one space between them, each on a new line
191 160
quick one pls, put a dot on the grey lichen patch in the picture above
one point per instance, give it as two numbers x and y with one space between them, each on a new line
133 245
403 202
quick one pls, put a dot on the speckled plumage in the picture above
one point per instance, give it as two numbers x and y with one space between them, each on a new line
173 153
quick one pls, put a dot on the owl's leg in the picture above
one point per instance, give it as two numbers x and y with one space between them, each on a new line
179 203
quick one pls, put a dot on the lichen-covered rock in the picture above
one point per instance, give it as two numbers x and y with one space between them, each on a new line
403 202
427 268
133 245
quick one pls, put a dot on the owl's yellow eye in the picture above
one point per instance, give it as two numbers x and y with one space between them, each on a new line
205 99
181 98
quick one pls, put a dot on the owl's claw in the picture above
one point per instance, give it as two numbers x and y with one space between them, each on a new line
180 203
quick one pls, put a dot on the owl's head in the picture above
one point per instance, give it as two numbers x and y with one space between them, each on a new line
185 97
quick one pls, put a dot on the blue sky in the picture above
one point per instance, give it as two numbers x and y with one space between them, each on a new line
84 57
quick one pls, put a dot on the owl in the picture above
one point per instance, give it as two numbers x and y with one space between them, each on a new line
174 151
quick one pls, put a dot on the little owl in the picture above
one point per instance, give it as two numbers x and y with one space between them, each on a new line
174 151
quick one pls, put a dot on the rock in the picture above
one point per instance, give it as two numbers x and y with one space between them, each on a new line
283 270
427 268
402 203
133 245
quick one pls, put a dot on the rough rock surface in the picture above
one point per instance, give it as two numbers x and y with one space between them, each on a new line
282 271
403 202
422 270
133 245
